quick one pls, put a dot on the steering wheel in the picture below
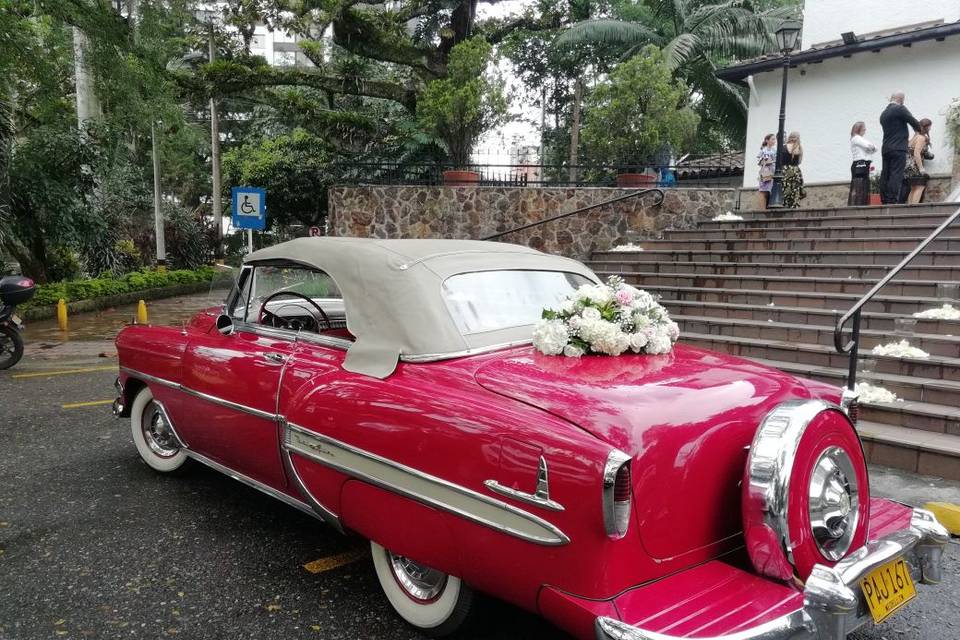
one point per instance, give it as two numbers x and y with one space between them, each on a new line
295 294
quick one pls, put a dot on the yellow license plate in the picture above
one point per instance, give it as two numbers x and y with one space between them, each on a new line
887 588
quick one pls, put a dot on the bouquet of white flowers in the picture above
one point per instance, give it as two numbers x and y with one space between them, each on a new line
606 319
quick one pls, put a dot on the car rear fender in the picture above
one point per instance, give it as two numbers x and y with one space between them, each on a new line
401 525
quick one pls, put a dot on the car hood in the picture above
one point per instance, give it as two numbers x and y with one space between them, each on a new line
686 418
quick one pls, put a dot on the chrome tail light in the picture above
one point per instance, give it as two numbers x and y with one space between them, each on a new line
617 494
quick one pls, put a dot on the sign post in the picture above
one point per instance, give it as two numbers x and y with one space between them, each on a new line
249 211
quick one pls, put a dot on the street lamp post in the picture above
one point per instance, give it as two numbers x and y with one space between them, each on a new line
157 215
787 36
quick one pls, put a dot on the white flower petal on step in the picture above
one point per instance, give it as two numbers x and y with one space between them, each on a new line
729 216
900 349
946 312
870 394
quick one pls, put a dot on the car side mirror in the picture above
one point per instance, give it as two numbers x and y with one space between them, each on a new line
225 325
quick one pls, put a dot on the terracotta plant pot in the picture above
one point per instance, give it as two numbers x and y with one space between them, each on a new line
460 178
636 180
875 200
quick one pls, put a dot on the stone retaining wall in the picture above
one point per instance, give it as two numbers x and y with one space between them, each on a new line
476 212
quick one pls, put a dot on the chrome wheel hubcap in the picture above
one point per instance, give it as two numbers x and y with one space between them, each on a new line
834 503
421 583
157 432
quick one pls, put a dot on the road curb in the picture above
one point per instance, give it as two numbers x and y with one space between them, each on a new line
105 302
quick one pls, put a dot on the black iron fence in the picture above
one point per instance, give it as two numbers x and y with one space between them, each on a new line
716 170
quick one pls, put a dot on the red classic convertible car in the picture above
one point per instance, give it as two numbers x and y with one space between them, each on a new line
388 387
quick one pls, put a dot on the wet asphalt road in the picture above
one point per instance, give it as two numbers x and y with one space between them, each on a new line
93 544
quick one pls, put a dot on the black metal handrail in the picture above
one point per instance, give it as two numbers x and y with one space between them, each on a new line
852 347
635 194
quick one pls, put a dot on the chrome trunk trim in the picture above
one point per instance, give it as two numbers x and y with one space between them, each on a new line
832 598
540 498
421 487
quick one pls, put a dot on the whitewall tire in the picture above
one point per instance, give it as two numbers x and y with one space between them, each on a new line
156 442
435 603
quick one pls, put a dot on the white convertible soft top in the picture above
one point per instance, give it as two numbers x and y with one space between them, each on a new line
392 292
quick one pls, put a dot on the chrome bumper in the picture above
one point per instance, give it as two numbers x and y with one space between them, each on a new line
833 605
118 407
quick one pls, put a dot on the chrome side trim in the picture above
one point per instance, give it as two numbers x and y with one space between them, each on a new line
311 507
173 428
434 357
293 336
540 498
833 603
326 341
422 487
148 378
250 482
318 509
266 415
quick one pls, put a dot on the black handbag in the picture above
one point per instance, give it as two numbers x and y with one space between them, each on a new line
861 168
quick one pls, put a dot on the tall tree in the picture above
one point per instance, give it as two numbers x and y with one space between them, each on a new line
695 37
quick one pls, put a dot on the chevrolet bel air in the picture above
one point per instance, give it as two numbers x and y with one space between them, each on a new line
389 388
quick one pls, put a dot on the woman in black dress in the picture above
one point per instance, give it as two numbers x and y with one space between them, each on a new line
791 157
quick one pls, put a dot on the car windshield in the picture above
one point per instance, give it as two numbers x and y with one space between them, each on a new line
267 281
492 300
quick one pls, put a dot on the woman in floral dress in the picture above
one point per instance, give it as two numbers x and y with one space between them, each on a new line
766 161
791 156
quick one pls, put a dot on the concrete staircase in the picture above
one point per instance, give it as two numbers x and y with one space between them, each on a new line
772 287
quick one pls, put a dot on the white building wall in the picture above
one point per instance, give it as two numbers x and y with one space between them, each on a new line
825 20
824 100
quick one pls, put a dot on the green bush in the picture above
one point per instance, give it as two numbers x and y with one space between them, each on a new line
638 111
73 290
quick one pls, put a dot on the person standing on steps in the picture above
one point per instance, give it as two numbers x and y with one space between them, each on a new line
766 161
918 151
861 149
790 158
894 121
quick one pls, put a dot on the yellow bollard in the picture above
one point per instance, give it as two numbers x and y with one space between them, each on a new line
142 312
948 515
62 315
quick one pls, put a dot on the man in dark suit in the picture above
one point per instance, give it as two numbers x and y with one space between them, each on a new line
894 121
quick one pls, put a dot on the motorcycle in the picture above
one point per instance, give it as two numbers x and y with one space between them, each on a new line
14 290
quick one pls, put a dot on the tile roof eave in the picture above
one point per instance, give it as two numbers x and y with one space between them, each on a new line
741 71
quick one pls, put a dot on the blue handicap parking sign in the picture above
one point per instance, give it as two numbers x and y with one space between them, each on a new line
249 208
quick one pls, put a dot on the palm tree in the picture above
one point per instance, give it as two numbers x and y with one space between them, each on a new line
695 36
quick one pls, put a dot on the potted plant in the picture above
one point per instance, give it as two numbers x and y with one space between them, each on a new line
636 112
458 109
